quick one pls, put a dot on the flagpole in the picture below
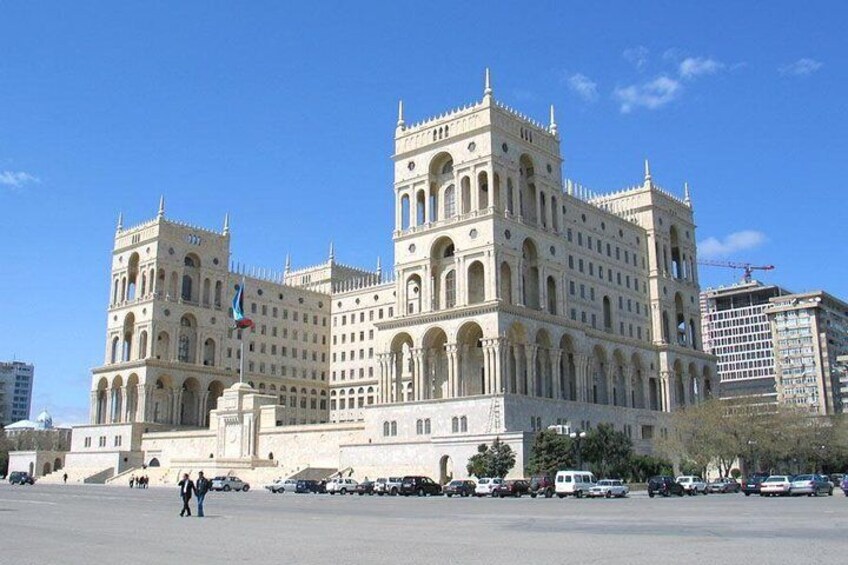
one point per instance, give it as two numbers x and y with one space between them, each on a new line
241 360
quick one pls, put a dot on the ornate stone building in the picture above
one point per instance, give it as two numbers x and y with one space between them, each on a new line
517 300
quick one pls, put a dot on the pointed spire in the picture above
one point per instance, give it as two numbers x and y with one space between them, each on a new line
687 198
332 252
120 222
288 263
553 125
647 171
400 122
227 223
487 91
379 265
161 213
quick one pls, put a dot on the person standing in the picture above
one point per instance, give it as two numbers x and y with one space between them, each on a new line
65 478
201 487
186 489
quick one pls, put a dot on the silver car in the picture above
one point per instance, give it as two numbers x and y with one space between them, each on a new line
227 484
608 488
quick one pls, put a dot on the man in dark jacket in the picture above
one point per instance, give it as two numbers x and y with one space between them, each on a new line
186 489
201 488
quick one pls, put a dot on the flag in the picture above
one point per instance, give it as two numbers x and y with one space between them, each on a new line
238 309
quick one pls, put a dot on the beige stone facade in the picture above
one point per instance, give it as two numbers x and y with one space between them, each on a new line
516 300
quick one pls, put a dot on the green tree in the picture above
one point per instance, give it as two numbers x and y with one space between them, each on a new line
608 451
643 467
496 460
550 453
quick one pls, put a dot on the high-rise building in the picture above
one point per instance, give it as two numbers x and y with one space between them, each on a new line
736 330
15 391
810 332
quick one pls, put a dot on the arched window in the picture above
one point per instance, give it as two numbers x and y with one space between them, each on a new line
455 425
186 293
450 289
114 355
142 345
419 427
427 426
450 202
607 314
386 429
463 424
209 352
413 295
506 283
218 291
404 212
476 284
552 296
394 428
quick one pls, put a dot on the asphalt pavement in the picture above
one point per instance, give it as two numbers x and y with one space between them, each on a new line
46 524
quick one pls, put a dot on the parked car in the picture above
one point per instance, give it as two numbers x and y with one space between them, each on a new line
419 485
512 487
844 485
486 485
812 485
724 485
542 485
305 486
776 485
21 478
460 488
692 484
390 486
574 483
664 485
227 484
609 488
836 478
751 484
279 486
365 487
341 486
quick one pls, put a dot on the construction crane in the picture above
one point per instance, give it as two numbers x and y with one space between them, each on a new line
747 267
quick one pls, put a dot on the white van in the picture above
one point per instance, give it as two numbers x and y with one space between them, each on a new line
574 483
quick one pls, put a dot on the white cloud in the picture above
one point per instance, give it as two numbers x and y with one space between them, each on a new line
585 87
692 67
801 67
16 179
713 247
637 55
650 95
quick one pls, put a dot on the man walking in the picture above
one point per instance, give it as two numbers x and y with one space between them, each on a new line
186 488
201 488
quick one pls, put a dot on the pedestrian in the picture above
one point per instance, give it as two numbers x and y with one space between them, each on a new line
65 478
132 481
186 488
201 487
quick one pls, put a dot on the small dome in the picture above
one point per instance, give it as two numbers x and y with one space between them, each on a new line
45 420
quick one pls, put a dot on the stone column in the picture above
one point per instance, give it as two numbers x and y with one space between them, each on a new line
531 352
142 391
556 374
417 369
497 374
665 396
628 387
581 369
646 390
687 389
176 405
202 402
451 354
519 299
94 407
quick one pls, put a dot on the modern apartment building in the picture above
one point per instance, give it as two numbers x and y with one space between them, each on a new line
15 391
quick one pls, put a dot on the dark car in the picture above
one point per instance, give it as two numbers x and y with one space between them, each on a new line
420 486
751 484
305 486
664 486
365 487
21 478
460 488
723 486
542 485
512 487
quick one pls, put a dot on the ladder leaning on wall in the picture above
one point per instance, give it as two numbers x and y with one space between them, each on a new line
494 421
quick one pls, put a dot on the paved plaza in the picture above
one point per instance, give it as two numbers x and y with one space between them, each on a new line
85 524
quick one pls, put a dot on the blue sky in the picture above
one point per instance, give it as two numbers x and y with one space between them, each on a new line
283 116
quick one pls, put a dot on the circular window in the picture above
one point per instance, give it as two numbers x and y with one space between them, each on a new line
114 318
166 312
550 169
507 234
412 248
339 304
300 300
411 165
120 259
147 251
215 261
320 304
472 146
505 147
553 250
212 320
357 301
259 292
170 251
376 298
472 234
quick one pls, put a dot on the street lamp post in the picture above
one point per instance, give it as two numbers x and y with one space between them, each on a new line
577 438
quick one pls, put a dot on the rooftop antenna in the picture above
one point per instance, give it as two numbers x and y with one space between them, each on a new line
227 223
553 126
161 213
120 221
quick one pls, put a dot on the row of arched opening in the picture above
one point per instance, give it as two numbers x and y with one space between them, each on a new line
186 284
126 347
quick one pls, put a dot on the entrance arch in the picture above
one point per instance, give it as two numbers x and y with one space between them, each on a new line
45 470
445 469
